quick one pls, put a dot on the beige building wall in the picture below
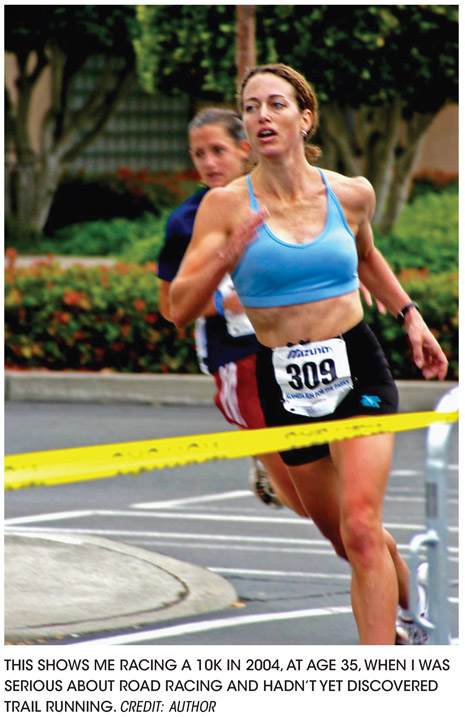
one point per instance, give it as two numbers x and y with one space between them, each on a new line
440 144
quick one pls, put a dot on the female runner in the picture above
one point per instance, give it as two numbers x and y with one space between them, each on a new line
296 239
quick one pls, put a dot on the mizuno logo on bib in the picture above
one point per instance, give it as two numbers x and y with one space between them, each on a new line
314 378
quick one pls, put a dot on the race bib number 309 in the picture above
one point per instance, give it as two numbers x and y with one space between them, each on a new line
314 378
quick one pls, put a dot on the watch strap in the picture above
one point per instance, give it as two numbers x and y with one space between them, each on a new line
407 307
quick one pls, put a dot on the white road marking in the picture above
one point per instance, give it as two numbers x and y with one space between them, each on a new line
195 499
182 536
242 494
278 573
219 517
412 499
223 517
242 548
212 537
403 548
406 472
45 517
196 627
57 537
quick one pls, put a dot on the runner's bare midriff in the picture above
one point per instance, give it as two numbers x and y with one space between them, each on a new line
312 321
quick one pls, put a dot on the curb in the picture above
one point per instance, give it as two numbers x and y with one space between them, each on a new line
422 395
83 387
165 389
54 583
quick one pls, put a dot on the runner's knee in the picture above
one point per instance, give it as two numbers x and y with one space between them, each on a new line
362 537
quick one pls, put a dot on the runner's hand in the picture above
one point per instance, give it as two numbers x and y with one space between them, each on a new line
427 354
241 237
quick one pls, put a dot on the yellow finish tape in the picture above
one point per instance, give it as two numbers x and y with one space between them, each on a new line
75 464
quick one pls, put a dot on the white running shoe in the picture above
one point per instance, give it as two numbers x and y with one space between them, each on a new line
408 632
259 484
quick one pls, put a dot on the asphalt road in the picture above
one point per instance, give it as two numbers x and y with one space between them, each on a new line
292 589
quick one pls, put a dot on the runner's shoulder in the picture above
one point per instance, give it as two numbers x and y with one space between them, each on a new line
354 192
226 202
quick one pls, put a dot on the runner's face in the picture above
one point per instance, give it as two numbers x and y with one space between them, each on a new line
272 117
216 156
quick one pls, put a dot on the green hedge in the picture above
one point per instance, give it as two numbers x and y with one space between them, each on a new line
107 318
136 240
426 235
438 297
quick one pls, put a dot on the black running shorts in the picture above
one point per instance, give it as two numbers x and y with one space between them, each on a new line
374 392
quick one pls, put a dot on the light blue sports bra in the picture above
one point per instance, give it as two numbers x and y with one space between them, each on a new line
273 272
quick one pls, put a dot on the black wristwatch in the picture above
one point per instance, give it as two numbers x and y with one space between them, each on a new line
407 307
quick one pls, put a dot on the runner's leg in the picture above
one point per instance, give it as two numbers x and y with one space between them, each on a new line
319 489
363 466
282 483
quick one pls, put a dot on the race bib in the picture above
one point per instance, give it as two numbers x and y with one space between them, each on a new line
314 378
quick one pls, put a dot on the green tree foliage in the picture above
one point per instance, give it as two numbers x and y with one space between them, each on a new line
187 49
381 72
371 54
60 38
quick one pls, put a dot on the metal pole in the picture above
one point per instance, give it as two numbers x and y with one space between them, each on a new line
435 537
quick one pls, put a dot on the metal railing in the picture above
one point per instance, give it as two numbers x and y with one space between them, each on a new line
434 539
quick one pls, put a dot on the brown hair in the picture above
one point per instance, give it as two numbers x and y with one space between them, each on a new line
304 94
231 122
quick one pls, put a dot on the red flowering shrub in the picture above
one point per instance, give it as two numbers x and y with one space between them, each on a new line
107 318
142 182
436 177
91 318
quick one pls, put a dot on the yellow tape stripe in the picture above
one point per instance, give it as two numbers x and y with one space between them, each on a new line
75 464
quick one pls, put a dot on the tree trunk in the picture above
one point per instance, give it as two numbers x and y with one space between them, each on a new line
245 38
369 141
403 171
22 162
33 177
381 151
336 138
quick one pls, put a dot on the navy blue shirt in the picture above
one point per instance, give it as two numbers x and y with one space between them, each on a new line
222 348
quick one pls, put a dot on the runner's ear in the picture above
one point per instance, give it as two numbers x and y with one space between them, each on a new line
245 147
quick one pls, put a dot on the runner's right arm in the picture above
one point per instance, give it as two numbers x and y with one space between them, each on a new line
216 246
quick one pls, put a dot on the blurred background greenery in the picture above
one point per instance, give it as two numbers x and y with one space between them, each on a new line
97 103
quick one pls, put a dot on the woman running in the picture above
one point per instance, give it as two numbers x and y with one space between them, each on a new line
295 240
